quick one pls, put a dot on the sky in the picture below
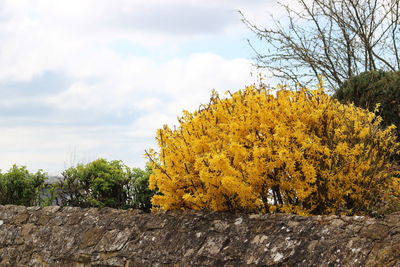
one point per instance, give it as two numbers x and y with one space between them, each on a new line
81 80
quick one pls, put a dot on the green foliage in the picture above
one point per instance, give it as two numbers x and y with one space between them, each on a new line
103 183
139 191
49 195
371 88
20 187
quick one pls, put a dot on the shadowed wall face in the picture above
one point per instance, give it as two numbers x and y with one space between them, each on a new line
54 236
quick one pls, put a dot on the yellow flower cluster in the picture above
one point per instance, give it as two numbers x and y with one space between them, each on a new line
296 151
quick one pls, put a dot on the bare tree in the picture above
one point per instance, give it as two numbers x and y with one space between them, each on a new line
337 39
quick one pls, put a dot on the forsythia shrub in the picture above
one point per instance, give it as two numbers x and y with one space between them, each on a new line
299 151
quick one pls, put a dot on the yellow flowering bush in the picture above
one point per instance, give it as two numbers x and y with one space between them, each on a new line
297 151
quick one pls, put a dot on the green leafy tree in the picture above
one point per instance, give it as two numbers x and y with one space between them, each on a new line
103 183
139 191
20 187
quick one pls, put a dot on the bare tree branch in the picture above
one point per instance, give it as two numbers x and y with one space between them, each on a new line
337 39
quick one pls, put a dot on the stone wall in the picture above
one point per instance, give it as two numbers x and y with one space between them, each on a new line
54 236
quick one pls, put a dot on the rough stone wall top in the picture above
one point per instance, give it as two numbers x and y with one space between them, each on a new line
54 236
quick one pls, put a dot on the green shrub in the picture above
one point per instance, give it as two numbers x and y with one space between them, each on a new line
139 191
103 183
370 88
20 187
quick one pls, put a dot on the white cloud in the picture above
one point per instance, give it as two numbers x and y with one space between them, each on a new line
158 92
136 83
69 35
147 124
